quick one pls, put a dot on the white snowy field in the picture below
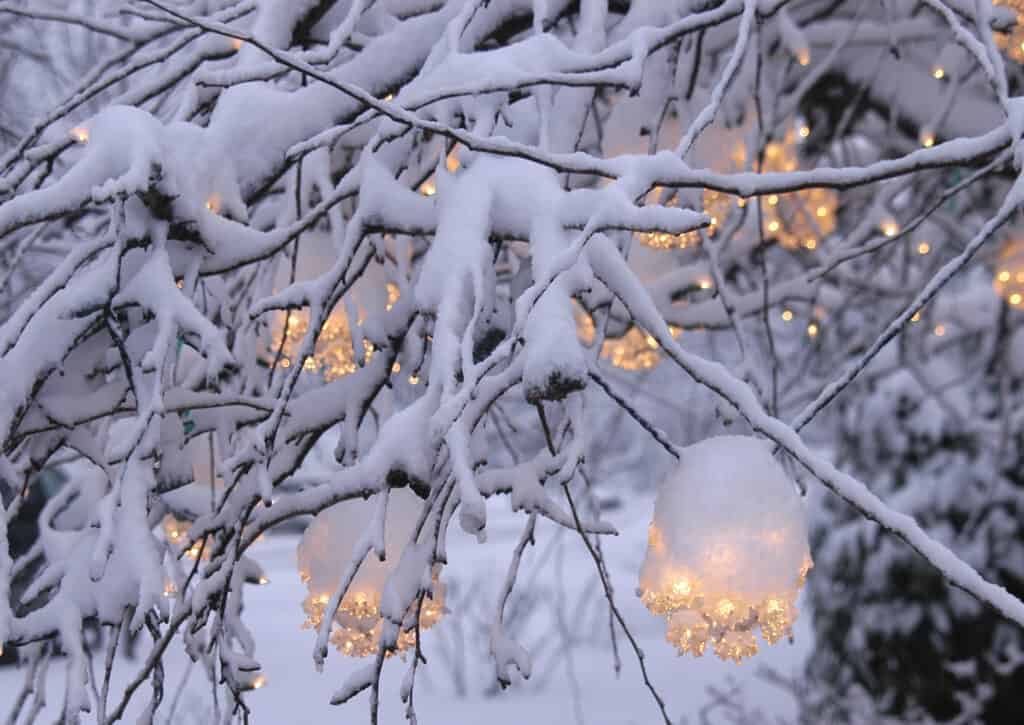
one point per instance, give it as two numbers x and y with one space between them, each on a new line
296 693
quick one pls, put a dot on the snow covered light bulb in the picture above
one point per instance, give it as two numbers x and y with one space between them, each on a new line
323 552
727 551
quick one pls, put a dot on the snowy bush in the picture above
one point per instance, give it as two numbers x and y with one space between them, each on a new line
382 264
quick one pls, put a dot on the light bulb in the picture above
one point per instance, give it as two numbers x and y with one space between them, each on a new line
923 248
80 134
938 72
812 330
787 315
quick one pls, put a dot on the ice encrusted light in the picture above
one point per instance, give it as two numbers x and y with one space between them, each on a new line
727 550
323 555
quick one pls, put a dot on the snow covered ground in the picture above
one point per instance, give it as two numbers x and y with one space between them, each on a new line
296 693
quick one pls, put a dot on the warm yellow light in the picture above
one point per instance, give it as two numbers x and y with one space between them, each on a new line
812 330
787 315
704 283
213 203
169 589
940 330
938 73
927 139
236 44
805 131
396 368
263 581
1004 276
773 226
682 587
414 379
890 228
804 56
428 188
725 608
916 317
80 134
822 211
811 243
923 248
452 162
1015 298
259 681
773 199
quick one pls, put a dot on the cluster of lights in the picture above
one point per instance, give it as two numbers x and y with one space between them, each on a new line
798 219
801 218
357 627
334 355
1012 43
636 350
813 326
1009 276
719 582
700 611
176 533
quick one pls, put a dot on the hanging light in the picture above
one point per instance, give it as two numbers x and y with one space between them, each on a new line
80 134
1011 41
664 240
801 218
727 550
334 355
329 541
1009 276
635 350
797 219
